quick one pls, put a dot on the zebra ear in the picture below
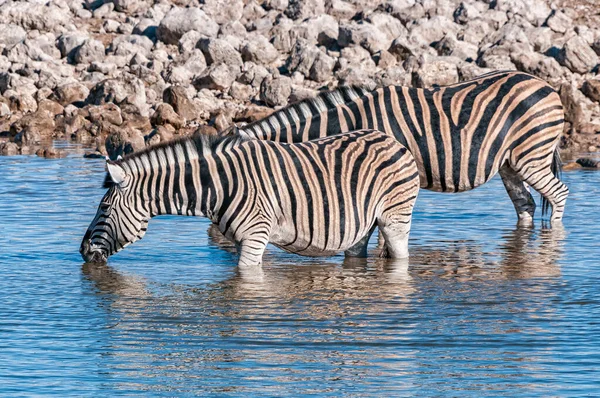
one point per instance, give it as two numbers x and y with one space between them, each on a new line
116 172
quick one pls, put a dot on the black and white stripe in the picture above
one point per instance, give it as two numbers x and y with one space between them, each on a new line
314 198
459 135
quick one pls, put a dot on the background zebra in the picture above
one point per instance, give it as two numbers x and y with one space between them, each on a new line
460 135
314 198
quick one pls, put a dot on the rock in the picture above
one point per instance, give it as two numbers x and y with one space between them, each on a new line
574 102
11 35
258 49
24 103
365 35
241 92
467 11
539 65
341 9
440 73
181 103
181 20
571 166
146 27
559 22
71 93
223 11
104 10
50 108
450 46
322 69
219 51
252 113
388 25
578 56
68 43
128 6
591 88
123 142
432 30
253 74
4 110
275 92
302 57
588 163
533 11
51 153
90 51
108 113
126 90
218 77
165 114
301 9
93 155
9 149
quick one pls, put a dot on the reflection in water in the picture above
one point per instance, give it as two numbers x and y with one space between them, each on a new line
361 318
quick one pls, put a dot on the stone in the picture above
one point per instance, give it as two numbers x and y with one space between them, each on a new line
125 90
4 110
122 142
71 93
50 108
440 73
538 65
301 9
467 11
181 103
9 149
24 103
365 35
302 57
51 153
253 74
67 43
178 21
258 49
559 22
109 113
588 163
341 9
577 55
450 46
591 88
276 91
322 69
222 11
90 51
241 92
11 35
218 51
218 77
574 103
128 6
388 25
165 114
146 27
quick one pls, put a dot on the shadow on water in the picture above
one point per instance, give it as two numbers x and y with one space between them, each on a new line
338 321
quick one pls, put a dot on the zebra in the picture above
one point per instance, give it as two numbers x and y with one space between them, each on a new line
460 135
314 198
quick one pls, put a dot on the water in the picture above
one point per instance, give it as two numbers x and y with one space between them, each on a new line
483 308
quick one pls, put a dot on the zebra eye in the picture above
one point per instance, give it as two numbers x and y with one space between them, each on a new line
104 207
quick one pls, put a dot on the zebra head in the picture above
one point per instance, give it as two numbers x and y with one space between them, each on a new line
118 222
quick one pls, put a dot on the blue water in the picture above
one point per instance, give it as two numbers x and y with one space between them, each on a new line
483 309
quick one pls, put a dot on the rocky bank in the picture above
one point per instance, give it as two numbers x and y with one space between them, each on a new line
123 74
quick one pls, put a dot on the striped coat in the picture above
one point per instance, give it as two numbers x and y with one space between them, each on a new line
315 198
459 135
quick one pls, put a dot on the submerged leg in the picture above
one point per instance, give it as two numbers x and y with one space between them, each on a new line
519 194
251 252
395 231
551 188
360 248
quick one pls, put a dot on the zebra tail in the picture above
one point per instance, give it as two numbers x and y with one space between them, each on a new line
556 169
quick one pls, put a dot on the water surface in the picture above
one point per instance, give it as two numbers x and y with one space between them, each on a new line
482 308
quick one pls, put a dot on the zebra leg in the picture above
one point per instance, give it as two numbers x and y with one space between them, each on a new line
551 188
360 248
251 252
519 194
395 231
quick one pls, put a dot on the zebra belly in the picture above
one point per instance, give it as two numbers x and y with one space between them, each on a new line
316 245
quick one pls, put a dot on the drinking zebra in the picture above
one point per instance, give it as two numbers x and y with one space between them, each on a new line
459 135
314 198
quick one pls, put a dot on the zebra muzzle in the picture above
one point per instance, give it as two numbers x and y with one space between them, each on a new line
89 254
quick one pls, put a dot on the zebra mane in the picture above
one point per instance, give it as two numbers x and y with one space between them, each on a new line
313 107
202 142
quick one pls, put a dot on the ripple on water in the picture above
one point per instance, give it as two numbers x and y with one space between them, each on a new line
481 308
